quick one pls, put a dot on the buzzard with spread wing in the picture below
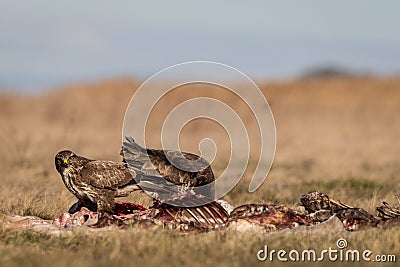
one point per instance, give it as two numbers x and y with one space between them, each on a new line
97 182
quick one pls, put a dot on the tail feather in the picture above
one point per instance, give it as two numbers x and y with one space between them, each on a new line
133 153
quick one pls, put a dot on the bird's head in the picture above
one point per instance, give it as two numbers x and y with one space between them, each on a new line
63 160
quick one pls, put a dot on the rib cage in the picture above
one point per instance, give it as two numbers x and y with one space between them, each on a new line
210 216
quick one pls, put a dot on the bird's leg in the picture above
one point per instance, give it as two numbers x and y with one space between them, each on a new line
106 203
106 211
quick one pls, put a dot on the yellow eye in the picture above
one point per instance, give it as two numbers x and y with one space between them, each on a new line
65 161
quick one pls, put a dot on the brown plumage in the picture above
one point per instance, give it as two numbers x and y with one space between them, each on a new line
95 182
196 172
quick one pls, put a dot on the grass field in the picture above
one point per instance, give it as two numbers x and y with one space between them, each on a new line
336 135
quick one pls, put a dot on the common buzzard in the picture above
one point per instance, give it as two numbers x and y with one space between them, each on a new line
97 182
94 182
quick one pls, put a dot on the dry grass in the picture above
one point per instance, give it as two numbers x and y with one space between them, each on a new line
338 136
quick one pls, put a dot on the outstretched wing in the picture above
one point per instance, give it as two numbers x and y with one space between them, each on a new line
155 163
106 174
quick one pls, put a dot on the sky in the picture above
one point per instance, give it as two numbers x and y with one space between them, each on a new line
45 44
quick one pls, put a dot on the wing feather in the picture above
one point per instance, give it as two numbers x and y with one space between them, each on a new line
106 174
155 163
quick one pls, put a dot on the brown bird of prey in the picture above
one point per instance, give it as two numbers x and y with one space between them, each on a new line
97 182
189 171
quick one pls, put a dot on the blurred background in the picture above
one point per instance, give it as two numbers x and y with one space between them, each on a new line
46 44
